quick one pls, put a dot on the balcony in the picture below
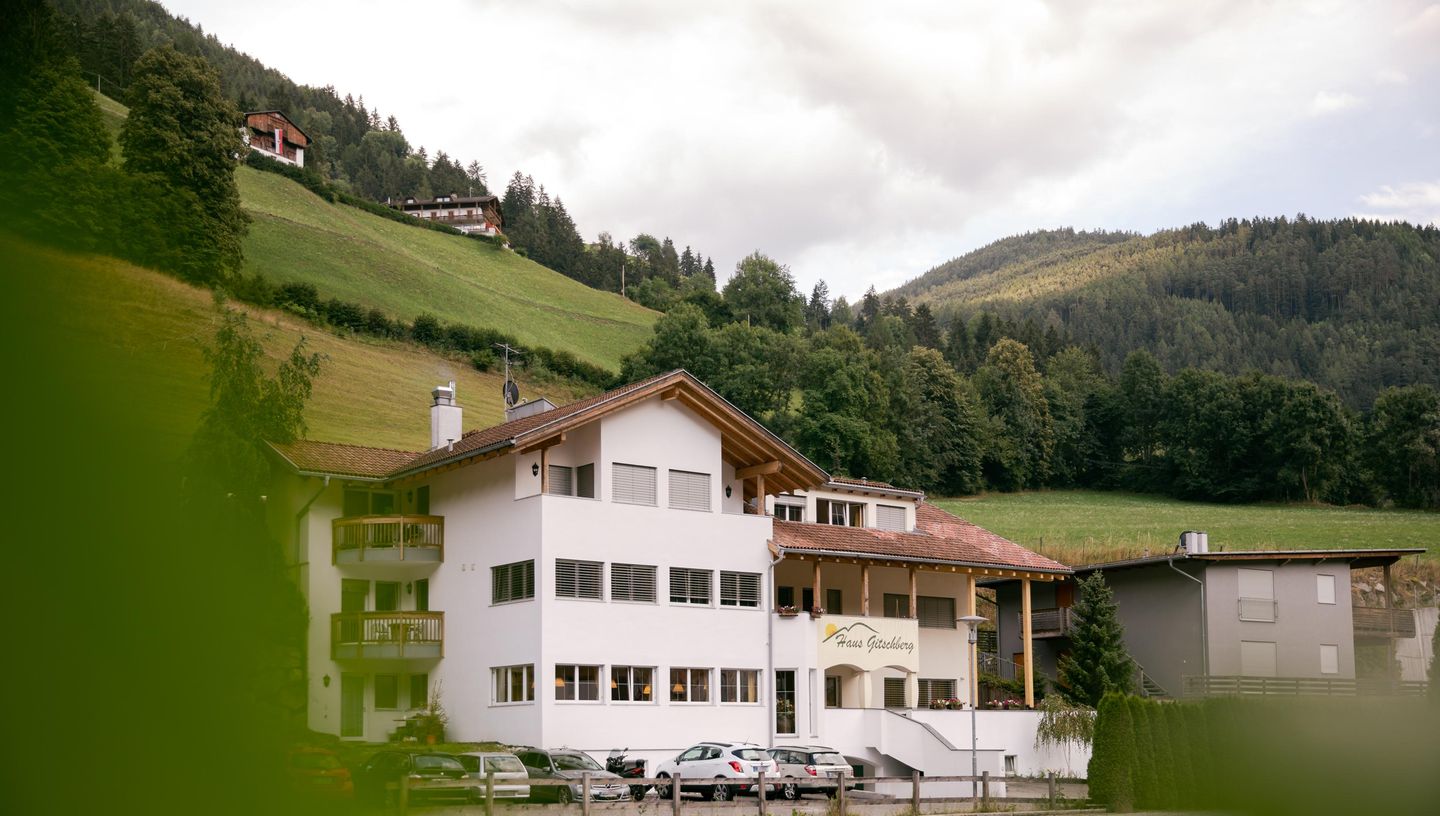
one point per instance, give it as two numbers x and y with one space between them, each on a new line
1046 623
387 635
1381 623
388 540
1247 686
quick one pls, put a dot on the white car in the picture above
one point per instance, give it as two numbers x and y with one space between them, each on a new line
809 768
727 767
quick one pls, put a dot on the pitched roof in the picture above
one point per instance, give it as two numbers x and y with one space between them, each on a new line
871 486
758 444
333 458
939 537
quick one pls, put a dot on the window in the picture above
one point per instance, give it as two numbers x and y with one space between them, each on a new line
689 685
785 596
936 613
512 582
689 491
890 517
834 602
689 586
422 500
935 690
368 503
387 691
785 702
632 582
787 511
1257 658
387 596
585 481
897 606
632 484
1329 658
894 692
1325 589
580 683
632 684
561 480
1257 595
832 691
739 589
422 595
513 684
845 514
578 579
419 690
739 685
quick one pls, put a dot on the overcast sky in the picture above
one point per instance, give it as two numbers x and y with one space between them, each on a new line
863 143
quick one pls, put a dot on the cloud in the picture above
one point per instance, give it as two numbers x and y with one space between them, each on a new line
1328 102
1417 202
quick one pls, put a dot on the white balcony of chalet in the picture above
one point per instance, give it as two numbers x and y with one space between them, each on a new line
387 635
388 541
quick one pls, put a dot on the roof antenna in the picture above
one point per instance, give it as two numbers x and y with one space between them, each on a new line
510 391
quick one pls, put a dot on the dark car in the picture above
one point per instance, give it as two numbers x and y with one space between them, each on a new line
428 776
565 763
317 772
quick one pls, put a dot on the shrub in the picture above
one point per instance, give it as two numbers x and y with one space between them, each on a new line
1181 748
1164 757
426 330
1113 756
1144 772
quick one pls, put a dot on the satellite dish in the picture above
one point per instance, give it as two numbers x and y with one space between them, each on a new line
511 392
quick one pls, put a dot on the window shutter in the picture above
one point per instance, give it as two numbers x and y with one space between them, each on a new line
689 585
633 484
689 491
936 613
512 582
578 579
740 589
632 582
560 481
889 517
894 692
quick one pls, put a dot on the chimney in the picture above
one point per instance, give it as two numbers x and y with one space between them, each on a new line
445 419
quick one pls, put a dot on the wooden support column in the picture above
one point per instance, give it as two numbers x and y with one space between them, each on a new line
1027 642
973 666
816 598
914 611
865 590
545 470
1389 621
760 494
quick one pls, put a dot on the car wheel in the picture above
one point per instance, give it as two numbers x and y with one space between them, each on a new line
789 790
663 788
721 792
563 795
830 792
637 792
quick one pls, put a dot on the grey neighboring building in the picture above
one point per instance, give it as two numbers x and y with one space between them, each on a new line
1201 622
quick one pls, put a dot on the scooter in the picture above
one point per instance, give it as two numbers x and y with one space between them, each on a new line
618 764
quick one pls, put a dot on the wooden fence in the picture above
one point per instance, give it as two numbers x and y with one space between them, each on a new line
1246 686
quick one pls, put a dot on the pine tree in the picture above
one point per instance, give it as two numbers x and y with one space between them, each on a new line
1097 662
1113 755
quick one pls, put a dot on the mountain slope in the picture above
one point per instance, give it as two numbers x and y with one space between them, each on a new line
1347 304
150 328
296 236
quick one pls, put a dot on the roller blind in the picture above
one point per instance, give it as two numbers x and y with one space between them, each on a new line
936 613
689 585
633 484
689 491
577 579
889 517
632 582
740 589
561 483
894 692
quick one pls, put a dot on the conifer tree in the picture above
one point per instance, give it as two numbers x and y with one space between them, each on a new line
1144 772
1182 747
1165 777
1097 662
1113 755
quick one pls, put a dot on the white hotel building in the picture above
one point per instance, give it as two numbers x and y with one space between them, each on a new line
602 575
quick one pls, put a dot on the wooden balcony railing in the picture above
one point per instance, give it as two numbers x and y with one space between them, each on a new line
1382 622
387 538
387 635
1046 623
1244 686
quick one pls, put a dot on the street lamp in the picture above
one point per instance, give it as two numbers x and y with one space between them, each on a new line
972 629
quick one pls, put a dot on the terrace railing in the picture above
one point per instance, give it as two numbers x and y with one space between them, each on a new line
1383 622
387 635
1247 686
387 538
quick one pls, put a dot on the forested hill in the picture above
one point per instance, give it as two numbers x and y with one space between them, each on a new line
1351 305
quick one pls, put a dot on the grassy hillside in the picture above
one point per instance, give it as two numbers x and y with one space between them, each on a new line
154 328
347 253
1081 526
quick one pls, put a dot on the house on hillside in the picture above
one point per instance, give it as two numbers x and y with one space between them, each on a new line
648 568
272 134
472 215
1200 622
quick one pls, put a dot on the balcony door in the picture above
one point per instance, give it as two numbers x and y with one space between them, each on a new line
353 594
352 705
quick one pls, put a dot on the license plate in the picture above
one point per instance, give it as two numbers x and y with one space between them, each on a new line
759 768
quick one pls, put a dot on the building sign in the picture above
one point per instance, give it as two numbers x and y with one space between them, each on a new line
869 643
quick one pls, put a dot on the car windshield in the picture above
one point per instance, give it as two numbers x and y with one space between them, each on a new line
752 754
436 762
471 763
314 761
829 759
503 764
575 762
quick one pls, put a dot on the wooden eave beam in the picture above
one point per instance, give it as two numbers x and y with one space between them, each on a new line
547 442
763 469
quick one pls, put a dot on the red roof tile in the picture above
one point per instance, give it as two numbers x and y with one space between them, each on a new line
938 537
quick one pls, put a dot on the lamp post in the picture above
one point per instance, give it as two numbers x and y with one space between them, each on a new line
972 630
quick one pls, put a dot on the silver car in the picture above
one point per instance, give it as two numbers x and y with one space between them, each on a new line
569 764
511 779
809 769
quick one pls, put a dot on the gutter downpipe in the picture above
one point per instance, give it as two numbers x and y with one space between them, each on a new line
770 649
1204 618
